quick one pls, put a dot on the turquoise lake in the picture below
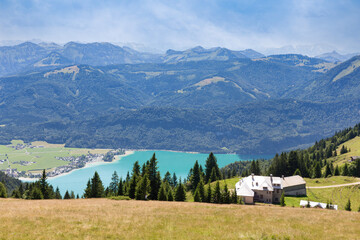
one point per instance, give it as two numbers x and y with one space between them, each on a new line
178 162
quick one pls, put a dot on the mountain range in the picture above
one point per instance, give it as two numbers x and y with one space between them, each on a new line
102 95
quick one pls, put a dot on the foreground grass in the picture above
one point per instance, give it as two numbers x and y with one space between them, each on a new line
109 219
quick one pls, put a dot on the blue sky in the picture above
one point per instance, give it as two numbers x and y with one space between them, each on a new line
164 24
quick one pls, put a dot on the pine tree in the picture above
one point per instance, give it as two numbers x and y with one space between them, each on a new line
211 163
67 195
195 177
36 193
3 191
217 193
170 196
337 171
143 188
226 195
167 177
201 190
58 194
162 196
154 177
317 170
174 180
180 194
77 196
113 187
327 172
197 196
209 194
282 200
213 176
97 188
72 195
348 205
120 188
44 186
132 187
87 193
345 171
234 197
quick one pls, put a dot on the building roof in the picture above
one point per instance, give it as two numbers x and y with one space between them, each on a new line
292 181
304 203
247 185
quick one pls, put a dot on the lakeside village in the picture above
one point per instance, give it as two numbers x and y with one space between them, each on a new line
75 162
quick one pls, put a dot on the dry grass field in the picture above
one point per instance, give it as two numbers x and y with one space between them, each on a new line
110 219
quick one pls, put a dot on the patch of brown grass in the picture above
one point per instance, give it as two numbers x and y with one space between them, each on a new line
109 219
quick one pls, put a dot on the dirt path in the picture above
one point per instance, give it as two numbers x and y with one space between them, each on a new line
339 185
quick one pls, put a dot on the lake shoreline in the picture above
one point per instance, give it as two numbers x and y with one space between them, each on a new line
87 165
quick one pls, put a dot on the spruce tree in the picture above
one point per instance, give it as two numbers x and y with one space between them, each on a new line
67 195
348 205
226 195
113 187
167 177
154 177
234 197
213 176
345 171
3 191
170 196
201 190
211 163
180 194
195 177
209 194
197 196
317 170
162 196
120 188
97 188
44 186
72 195
327 172
282 200
58 194
132 187
337 171
87 193
217 193
174 180
143 188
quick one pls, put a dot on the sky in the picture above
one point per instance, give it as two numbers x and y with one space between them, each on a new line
313 26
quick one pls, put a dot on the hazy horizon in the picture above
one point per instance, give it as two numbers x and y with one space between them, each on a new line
310 27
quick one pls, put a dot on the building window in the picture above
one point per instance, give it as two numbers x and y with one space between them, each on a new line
276 199
261 196
277 190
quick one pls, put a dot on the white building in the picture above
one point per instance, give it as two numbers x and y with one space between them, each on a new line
268 189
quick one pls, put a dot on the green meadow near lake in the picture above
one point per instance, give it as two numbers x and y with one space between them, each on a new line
37 156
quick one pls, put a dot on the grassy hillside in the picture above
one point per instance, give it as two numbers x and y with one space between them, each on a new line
354 145
338 196
109 219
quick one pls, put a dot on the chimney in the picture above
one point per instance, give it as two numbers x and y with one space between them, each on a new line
271 179
252 175
282 176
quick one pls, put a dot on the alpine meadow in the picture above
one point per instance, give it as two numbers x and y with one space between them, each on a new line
179 119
